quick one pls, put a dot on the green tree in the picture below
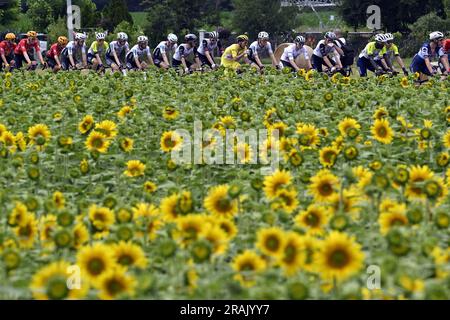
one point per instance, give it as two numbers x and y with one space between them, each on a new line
9 12
395 15
40 13
56 29
115 13
254 16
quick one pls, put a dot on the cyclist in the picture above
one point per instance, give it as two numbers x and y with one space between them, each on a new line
346 55
291 53
446 47
136 56
160 54
234 53
388 52
183 51
7 47
324 52
24 51
206 50
117 51
70 56
97 51
373 49
259 48
430 50
53 55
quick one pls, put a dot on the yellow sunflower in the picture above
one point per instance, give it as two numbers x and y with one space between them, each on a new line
388 220
347 124
39 135
135 168
275 182
27 232
189 228
446 139
108 128
217 237
170 113
150 187
94 261
115 283
339 257
380 113
86 124
382 131
129 254
98 142
292 257
247 265
170 140
102 218
417 175
308 135
126 144
313 219
51 283
286 200
323 185
124 112
271 241
328 156
219 202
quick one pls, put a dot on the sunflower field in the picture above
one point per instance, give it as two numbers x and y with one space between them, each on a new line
92 206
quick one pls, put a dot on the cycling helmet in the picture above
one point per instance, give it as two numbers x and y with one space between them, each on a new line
380 38
330 35
10 36
142 39
389 36
263 35
100 36
214 35
80 36
242 37
436 35
63 41
32 34
300 39
190 37
122 36
172 38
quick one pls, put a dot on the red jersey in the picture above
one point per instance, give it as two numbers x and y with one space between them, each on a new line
55 51
6 48
447 46
24 46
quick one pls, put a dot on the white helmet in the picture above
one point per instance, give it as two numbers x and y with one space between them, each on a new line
122 36
100 36
142 39
172 38
214 35
436 35
190 37
80 36
300 39
263 35
330 35
380 38
389 36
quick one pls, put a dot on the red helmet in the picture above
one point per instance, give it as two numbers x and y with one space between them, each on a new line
447 46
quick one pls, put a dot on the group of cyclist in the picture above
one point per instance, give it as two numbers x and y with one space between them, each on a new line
331 54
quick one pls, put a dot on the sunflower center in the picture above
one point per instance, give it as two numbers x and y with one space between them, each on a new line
97 143
57 288
397 222
382 132
126 260
25 231
289 254
338 259
312 219
247 266
325 189
169 142
272 243
96 266
224 205
114 287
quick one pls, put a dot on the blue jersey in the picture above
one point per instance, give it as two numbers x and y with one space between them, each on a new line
425 52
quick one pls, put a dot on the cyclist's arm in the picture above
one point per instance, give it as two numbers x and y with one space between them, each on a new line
58 62
150 58
274 60
27 58
428 64
136 60
327 62
258 60
99 59
210 57
165 59
444 60
338 59
2 54
400 62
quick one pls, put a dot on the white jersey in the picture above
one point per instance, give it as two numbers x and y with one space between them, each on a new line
208 45
72 49
137 52
119 49
183 51
324 50
257 50
292 52
161 48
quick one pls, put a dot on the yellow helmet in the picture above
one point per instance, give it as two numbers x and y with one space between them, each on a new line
32 34
10 36
242 37
63 41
